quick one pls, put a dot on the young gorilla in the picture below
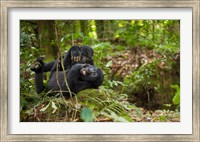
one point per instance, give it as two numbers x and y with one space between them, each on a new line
80 76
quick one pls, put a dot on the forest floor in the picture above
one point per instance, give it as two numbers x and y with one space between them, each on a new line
53 112
48 108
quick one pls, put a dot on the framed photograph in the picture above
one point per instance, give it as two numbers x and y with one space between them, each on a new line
99 70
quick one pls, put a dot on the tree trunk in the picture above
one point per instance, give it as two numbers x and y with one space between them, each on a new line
46 30
100 29
84 27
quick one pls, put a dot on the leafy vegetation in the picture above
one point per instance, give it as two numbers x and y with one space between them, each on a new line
140 60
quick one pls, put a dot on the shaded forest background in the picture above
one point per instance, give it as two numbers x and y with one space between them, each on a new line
140 60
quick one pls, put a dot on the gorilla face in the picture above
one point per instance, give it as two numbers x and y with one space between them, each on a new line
82 54
87 55
84 59
89 72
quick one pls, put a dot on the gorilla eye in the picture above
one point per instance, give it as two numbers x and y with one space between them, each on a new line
94 74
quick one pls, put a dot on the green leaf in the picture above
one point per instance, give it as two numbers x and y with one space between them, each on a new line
45 82
44 108
62 39
109 64
53 105
115 83
118 118
87 115
176 98
163 118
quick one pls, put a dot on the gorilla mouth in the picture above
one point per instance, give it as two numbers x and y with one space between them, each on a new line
83 72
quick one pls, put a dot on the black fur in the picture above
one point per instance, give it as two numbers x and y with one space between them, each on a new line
75 78
76 54
74 66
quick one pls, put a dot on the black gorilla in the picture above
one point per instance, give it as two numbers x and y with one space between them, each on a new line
79 76
76 54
